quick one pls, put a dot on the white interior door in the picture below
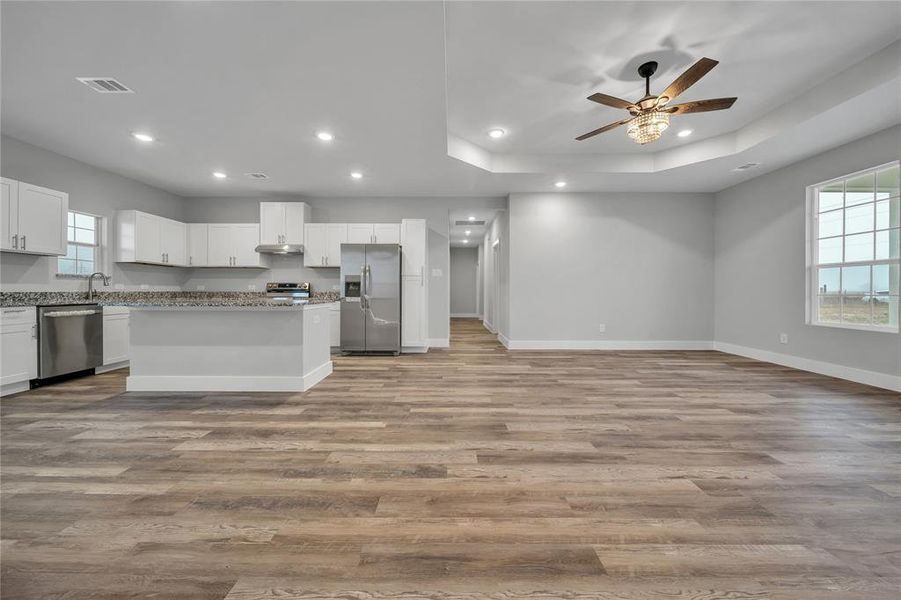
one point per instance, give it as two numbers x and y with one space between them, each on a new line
147 238
359 233
9 220
335 235
42 219
272 222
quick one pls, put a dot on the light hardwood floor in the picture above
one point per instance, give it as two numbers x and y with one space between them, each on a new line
461 474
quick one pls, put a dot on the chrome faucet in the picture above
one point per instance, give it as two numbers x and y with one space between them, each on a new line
91 283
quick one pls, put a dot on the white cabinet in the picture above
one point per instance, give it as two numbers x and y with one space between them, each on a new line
233 245
283 222
414 247
145 238
373 233
322 245
18 345
414 324
414 290
359 233
335 324
386 233
115 334
198 236
9 213
34 218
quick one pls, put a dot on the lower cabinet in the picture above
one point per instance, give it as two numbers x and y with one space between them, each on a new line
335 324
414 324
115 334
18 345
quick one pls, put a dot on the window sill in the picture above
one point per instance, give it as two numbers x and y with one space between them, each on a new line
871 328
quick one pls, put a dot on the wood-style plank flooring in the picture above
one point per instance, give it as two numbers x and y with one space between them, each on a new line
466 473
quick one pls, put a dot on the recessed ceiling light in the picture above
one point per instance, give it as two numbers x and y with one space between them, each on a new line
144 137
356 175
496 133
560 184
684 133
468 232
219 175
472 218
325 136
465 241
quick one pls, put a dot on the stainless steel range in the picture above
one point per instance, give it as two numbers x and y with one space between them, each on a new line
288 293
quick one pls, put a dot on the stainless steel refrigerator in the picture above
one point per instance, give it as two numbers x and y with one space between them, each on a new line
370 298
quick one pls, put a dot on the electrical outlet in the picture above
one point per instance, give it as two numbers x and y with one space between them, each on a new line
437 273
783 338
119 286
201 288
145 287
336 288
252 287
602 328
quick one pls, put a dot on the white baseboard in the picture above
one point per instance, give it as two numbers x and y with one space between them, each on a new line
880 380
111 367
439 342
414 349
504 340
14 388
215 383
488 326
465 316
605 344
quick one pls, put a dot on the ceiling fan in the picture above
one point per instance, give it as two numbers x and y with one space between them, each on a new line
650 115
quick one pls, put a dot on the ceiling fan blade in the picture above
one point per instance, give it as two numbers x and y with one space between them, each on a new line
689 78
610 101
603 129
701 106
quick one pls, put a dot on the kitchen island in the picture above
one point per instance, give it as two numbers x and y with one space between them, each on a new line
252 346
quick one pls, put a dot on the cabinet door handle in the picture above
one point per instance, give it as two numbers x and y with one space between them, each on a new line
15 243
34 332
422 276
23 242
190 260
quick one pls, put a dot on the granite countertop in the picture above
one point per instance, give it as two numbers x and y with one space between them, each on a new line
157 299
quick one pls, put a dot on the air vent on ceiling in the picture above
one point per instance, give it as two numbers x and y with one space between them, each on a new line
256 175
105 85
466 223
746 166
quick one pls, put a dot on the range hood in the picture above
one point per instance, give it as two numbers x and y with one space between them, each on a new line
279 249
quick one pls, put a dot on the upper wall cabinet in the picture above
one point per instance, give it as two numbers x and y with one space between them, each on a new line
198 238
322 244
32 218
145 238
232 245
283 222
373 233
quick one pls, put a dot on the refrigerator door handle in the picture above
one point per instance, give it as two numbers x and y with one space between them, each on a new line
363 287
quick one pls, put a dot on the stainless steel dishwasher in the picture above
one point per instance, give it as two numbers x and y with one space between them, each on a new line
70 339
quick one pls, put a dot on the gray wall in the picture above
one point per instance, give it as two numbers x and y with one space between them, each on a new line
464 274
90 190
342 210
640 263
760 262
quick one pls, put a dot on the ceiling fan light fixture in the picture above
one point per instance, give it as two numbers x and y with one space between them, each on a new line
648 126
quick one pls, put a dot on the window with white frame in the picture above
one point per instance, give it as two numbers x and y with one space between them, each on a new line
854 250
83 248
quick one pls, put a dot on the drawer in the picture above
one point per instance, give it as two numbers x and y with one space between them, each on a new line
18 314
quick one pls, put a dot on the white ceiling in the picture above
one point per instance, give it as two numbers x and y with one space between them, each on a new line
243 87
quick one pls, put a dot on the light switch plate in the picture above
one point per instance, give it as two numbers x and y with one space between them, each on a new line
437 273
200 288
144 286
252 287
602 328
783 338
119 286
